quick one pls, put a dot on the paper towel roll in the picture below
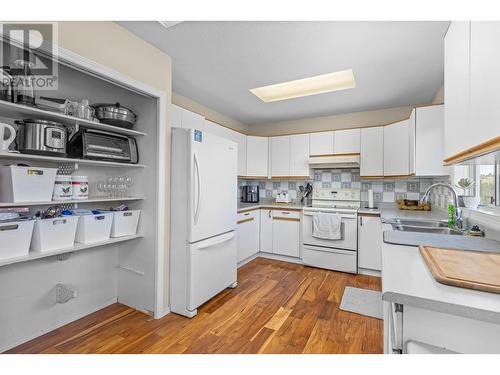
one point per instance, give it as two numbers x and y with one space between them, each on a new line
370 198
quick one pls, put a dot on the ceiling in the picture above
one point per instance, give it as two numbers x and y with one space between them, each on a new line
217 63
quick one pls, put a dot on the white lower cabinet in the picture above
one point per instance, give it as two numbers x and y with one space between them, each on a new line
286 233
280 232
248 234
266 230
369 242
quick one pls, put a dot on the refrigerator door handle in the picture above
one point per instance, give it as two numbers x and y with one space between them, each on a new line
198 190
207 244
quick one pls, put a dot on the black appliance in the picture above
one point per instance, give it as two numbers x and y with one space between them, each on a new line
250 194
102 145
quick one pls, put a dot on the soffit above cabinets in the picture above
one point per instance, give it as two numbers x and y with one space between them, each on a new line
217 63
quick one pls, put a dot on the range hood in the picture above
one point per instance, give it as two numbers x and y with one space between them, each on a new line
334 161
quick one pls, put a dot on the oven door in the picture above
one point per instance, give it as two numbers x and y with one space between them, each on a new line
349 231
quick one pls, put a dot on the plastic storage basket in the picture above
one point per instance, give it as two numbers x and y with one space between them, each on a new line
125 223
94 228
15 238
26 184
54 234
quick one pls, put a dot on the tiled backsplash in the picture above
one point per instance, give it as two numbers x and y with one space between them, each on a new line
441 197
383 190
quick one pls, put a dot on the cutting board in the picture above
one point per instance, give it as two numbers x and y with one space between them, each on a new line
464 268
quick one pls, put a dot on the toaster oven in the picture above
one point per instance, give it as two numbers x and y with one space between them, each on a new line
102 145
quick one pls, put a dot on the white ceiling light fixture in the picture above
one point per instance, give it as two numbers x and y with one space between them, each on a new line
321 84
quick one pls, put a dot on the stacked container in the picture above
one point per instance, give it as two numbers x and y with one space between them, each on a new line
17 234
53 234
125 223
26 184
94 228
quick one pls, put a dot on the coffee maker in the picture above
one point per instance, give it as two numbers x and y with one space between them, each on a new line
250 194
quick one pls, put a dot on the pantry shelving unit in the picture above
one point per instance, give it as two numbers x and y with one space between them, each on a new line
76 247
55 159
72 201
18 111
130 270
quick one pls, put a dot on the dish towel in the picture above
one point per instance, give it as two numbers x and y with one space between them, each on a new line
327 226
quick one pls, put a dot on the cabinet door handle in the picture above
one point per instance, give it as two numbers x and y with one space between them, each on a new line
269 213
285 212
361 221
248 213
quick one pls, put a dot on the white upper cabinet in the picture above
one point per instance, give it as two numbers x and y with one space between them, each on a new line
372 152
280 156
457 88
412 135
239 138
182 118
299 155
397 149
429 123
484 83
176 116
347 141
471 86
257 156
321 143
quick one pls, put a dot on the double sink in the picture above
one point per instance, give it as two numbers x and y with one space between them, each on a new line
425 226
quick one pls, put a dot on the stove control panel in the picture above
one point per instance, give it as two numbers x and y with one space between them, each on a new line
331 194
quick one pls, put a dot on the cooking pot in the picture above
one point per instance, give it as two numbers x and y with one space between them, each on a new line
114 114
41 137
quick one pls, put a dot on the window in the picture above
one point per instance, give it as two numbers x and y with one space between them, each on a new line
486 180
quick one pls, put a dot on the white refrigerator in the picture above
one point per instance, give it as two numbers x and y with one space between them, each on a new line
203 251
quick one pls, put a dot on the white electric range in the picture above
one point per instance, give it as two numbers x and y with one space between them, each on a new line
341 254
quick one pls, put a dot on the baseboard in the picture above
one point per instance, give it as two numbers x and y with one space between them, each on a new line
247 260
283 258
163 313
363 271
59 325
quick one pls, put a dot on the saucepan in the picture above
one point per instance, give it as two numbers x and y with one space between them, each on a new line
115 114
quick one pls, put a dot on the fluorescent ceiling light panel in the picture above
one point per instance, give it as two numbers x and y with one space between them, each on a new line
307 86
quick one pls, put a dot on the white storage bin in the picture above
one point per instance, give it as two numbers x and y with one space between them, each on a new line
26 184
15 238
94 228
53 234
125 223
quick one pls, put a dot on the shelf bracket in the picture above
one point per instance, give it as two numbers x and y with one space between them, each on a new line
63 257
66 168
64 293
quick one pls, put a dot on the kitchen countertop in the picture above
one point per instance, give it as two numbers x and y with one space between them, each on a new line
406 278
395 237
388 214
268 203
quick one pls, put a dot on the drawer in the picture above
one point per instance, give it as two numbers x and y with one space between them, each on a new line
245 217
333 259
277 214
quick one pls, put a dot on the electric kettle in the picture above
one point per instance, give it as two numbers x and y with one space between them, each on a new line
5 143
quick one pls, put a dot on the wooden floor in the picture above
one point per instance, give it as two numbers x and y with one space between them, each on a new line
277 307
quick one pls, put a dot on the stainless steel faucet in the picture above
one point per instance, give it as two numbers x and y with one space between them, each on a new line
458 211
